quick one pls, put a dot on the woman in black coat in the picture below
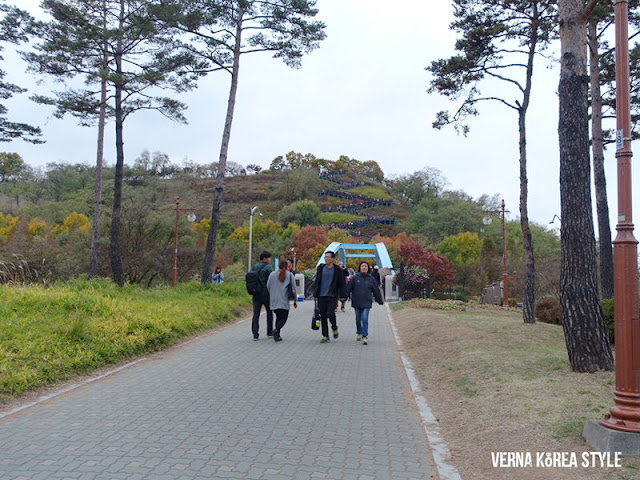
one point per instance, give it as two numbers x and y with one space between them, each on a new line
362 289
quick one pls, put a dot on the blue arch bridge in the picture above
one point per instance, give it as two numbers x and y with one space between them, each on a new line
371 250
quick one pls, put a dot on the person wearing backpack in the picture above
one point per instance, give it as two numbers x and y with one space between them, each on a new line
263 270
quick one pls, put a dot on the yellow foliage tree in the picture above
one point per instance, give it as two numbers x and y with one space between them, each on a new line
202 229
462 249
75 221
261 231
7 225
37 227
314 254
340 235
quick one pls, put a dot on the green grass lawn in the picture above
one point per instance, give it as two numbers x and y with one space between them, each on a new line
51 334
373 192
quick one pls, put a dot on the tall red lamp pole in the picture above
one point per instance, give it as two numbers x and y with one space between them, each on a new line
191 218
175 250
625 414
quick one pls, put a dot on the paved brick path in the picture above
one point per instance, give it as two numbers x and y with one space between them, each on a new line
223 406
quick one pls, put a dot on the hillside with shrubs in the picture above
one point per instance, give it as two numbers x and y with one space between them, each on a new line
305 202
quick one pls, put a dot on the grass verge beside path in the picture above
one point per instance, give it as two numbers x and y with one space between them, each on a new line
48 335
498 385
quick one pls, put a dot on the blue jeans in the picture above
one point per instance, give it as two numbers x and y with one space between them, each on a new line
362 321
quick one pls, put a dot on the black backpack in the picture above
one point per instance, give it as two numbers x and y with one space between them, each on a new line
254 285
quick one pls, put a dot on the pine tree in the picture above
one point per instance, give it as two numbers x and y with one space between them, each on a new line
499 40
582 318
140 58
225 30
14 28
603 106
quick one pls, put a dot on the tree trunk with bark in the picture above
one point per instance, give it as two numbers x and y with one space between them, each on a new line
529 300
210 248
599 179
116 258
97 198
586 337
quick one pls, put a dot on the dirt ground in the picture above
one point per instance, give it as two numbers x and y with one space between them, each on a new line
497 385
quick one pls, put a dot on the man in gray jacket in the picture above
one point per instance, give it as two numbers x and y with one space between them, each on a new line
281 284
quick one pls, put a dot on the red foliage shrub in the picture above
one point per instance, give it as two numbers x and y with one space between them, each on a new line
306 239
440 268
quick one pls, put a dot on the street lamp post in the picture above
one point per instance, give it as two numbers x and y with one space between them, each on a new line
625 414
487 221
191 218
253 210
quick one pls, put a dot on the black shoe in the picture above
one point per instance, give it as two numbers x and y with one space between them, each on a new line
277 337
255 339
269 334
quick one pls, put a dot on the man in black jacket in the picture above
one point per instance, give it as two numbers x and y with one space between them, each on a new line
263 267
329 286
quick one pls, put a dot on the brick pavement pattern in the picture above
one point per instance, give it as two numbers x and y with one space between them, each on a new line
224 406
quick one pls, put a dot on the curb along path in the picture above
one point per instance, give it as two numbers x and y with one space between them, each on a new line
223 406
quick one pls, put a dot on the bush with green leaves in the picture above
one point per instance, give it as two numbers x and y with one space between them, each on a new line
302 212
235 272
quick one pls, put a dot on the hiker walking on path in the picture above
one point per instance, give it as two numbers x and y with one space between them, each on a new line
328 288
362 289
281 287
375 274
263 269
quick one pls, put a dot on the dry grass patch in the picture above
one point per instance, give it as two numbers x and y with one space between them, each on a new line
498 385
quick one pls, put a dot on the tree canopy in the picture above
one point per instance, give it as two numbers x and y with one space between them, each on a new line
14 26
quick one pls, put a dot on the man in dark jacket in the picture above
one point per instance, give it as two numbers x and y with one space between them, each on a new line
263 267
328 288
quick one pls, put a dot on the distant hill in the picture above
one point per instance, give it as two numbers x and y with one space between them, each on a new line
359 205
370 204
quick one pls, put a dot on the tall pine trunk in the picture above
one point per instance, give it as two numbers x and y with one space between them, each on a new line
586 337
116 258
599 179
97 198
529 300
210 248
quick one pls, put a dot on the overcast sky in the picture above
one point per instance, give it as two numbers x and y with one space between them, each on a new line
361 94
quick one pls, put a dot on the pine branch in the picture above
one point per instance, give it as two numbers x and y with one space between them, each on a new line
588 8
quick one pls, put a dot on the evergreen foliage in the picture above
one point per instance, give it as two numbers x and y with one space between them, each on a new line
14 27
